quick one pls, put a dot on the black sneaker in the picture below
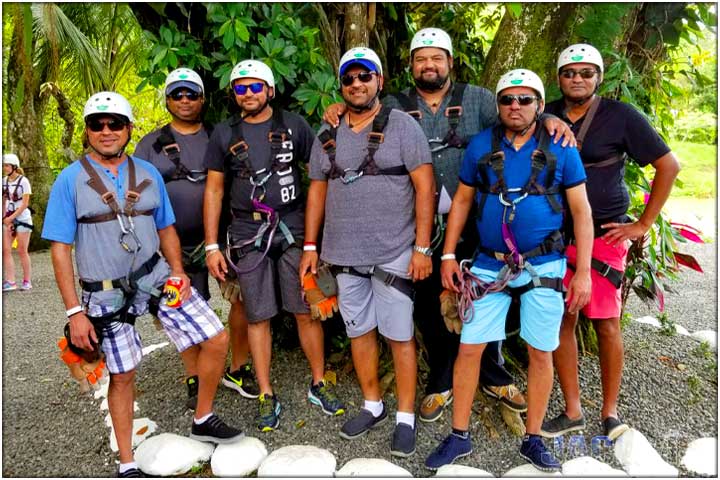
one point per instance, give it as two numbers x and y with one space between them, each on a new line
449 450
131 473
192 386
214 430
614 427
360 424
323 396
561 425
403 441
242 381
269 408
533 450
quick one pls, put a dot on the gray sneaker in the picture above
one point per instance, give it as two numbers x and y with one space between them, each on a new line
403 441
360 424
561 425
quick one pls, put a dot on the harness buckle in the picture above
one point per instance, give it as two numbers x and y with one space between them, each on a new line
416 114
376 137
329 144
107 197
240 147
510 262
456 111
605 270
132 196
276 136
172 148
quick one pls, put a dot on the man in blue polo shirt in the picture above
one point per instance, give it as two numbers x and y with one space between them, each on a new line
518 176
116 212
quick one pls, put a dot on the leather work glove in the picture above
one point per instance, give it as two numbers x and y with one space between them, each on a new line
321 307
86 373
230 290
449 311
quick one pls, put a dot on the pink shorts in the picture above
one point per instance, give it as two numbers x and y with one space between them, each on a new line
605 299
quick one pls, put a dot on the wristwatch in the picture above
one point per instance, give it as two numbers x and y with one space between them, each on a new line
427 251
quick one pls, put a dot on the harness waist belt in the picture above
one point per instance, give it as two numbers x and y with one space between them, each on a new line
613 275
548 282
403 285
552 243
122 283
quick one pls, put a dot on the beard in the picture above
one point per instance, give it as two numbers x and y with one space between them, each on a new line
430 85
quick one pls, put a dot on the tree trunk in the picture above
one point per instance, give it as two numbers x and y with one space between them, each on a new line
356 32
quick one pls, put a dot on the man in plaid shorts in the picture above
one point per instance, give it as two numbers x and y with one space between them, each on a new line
116 212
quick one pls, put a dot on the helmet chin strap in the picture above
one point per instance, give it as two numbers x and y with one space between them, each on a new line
259 110
113 156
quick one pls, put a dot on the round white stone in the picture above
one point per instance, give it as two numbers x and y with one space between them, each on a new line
298 461
701 456
589 467
371 467
169 454
453 470
528 470
238 459
639 458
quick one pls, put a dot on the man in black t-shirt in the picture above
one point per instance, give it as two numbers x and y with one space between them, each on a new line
614 132
262 150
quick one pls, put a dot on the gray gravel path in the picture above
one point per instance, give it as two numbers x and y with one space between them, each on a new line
50 430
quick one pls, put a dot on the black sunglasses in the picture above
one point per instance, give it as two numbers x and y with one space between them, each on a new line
584 73
177 95
98 125
521 99
256 87
364 77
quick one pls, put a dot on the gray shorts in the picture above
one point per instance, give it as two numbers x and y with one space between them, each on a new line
260 287
367 303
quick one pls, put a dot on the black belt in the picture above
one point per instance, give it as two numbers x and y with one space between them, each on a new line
126 284
403 285
613 275
552 243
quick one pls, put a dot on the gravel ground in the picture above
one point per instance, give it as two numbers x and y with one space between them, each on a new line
50 430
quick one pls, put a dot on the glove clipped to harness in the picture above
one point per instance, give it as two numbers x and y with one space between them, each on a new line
449 311
321 293
85 367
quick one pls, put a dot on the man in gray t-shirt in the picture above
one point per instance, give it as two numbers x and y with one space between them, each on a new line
372 181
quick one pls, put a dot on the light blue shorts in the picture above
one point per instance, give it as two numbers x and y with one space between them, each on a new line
541 310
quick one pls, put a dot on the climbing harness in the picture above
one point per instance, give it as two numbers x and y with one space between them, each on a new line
403 285
167 144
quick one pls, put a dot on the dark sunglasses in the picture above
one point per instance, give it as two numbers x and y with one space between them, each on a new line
584 73
521 99
99 125
256 87
179 94
364 77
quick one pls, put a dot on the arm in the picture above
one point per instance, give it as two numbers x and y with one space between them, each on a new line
559 129
424 184
23 205
578 294
314 215
170 247
459 210
332 114
666 170
212 207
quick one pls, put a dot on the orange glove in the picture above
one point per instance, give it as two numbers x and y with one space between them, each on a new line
80 369
321 307
449 311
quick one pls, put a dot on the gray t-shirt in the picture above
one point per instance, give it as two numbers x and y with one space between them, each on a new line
372 220
186 197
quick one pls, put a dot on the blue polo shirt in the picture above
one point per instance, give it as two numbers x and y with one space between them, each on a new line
534 217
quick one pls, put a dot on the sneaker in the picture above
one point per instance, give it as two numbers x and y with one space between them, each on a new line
561 425
449 450
323 395
433 405
242 381
26 285
192 386
9 286
131 473
268 418
533 450
214 430
361 423
509 395
614 427
403 441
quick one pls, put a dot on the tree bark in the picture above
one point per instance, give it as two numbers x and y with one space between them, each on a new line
356 32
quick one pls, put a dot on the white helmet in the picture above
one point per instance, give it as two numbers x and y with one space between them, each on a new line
11 159
521 78
253 69
108 102
363 56
580 53
184 77
431 37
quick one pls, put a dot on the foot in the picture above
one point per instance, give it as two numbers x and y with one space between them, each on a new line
192 386
131 473
324 396
614 427
26 285
242 381
403 441
561 425
9 286
214 430
269 408
433 405
453 447
533 450
362 423
509 395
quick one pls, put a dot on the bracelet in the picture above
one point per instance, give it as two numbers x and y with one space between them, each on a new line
448 256
207 253
74 310
212 247
309 248
310 243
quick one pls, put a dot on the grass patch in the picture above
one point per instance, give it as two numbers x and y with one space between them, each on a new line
699 169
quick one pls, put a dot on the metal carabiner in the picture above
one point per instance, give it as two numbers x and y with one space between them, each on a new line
347 180
438 148
262 181
261 197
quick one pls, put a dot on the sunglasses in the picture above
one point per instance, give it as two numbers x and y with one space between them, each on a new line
179 94
523 100
584 73
256 87
99 126
364 77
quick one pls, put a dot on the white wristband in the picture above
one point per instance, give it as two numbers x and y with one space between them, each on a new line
448 256
211 247
309 248
73 311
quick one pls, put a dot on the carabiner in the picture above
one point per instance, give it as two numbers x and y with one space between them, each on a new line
347 180
262 181
260 197
438 148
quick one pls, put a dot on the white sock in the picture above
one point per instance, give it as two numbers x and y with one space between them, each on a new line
198 421
406 418
124 467
446 393
376 408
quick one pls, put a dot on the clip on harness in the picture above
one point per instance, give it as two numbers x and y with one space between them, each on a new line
403 285
368 165
167 144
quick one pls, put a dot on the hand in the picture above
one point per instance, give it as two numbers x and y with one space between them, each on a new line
578 293
420 266
450 274
560 129
82 332
308 263
8 221
186 288
619 232
216 265
332 114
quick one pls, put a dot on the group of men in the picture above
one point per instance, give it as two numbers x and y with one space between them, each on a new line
381 230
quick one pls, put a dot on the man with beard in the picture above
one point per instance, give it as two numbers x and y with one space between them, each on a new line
177 150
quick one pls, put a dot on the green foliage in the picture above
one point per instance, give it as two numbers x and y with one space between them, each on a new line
697 128
667 326
694 387
697 178
703 351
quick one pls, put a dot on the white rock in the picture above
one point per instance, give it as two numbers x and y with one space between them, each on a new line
589 467
142 428
709 336
649 321
453 470
701 456
170 454
639 458
371 467
681 330
153 347
298 461
102 392
528 470
238 459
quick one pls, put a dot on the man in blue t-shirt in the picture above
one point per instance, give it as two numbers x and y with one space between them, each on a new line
517 177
